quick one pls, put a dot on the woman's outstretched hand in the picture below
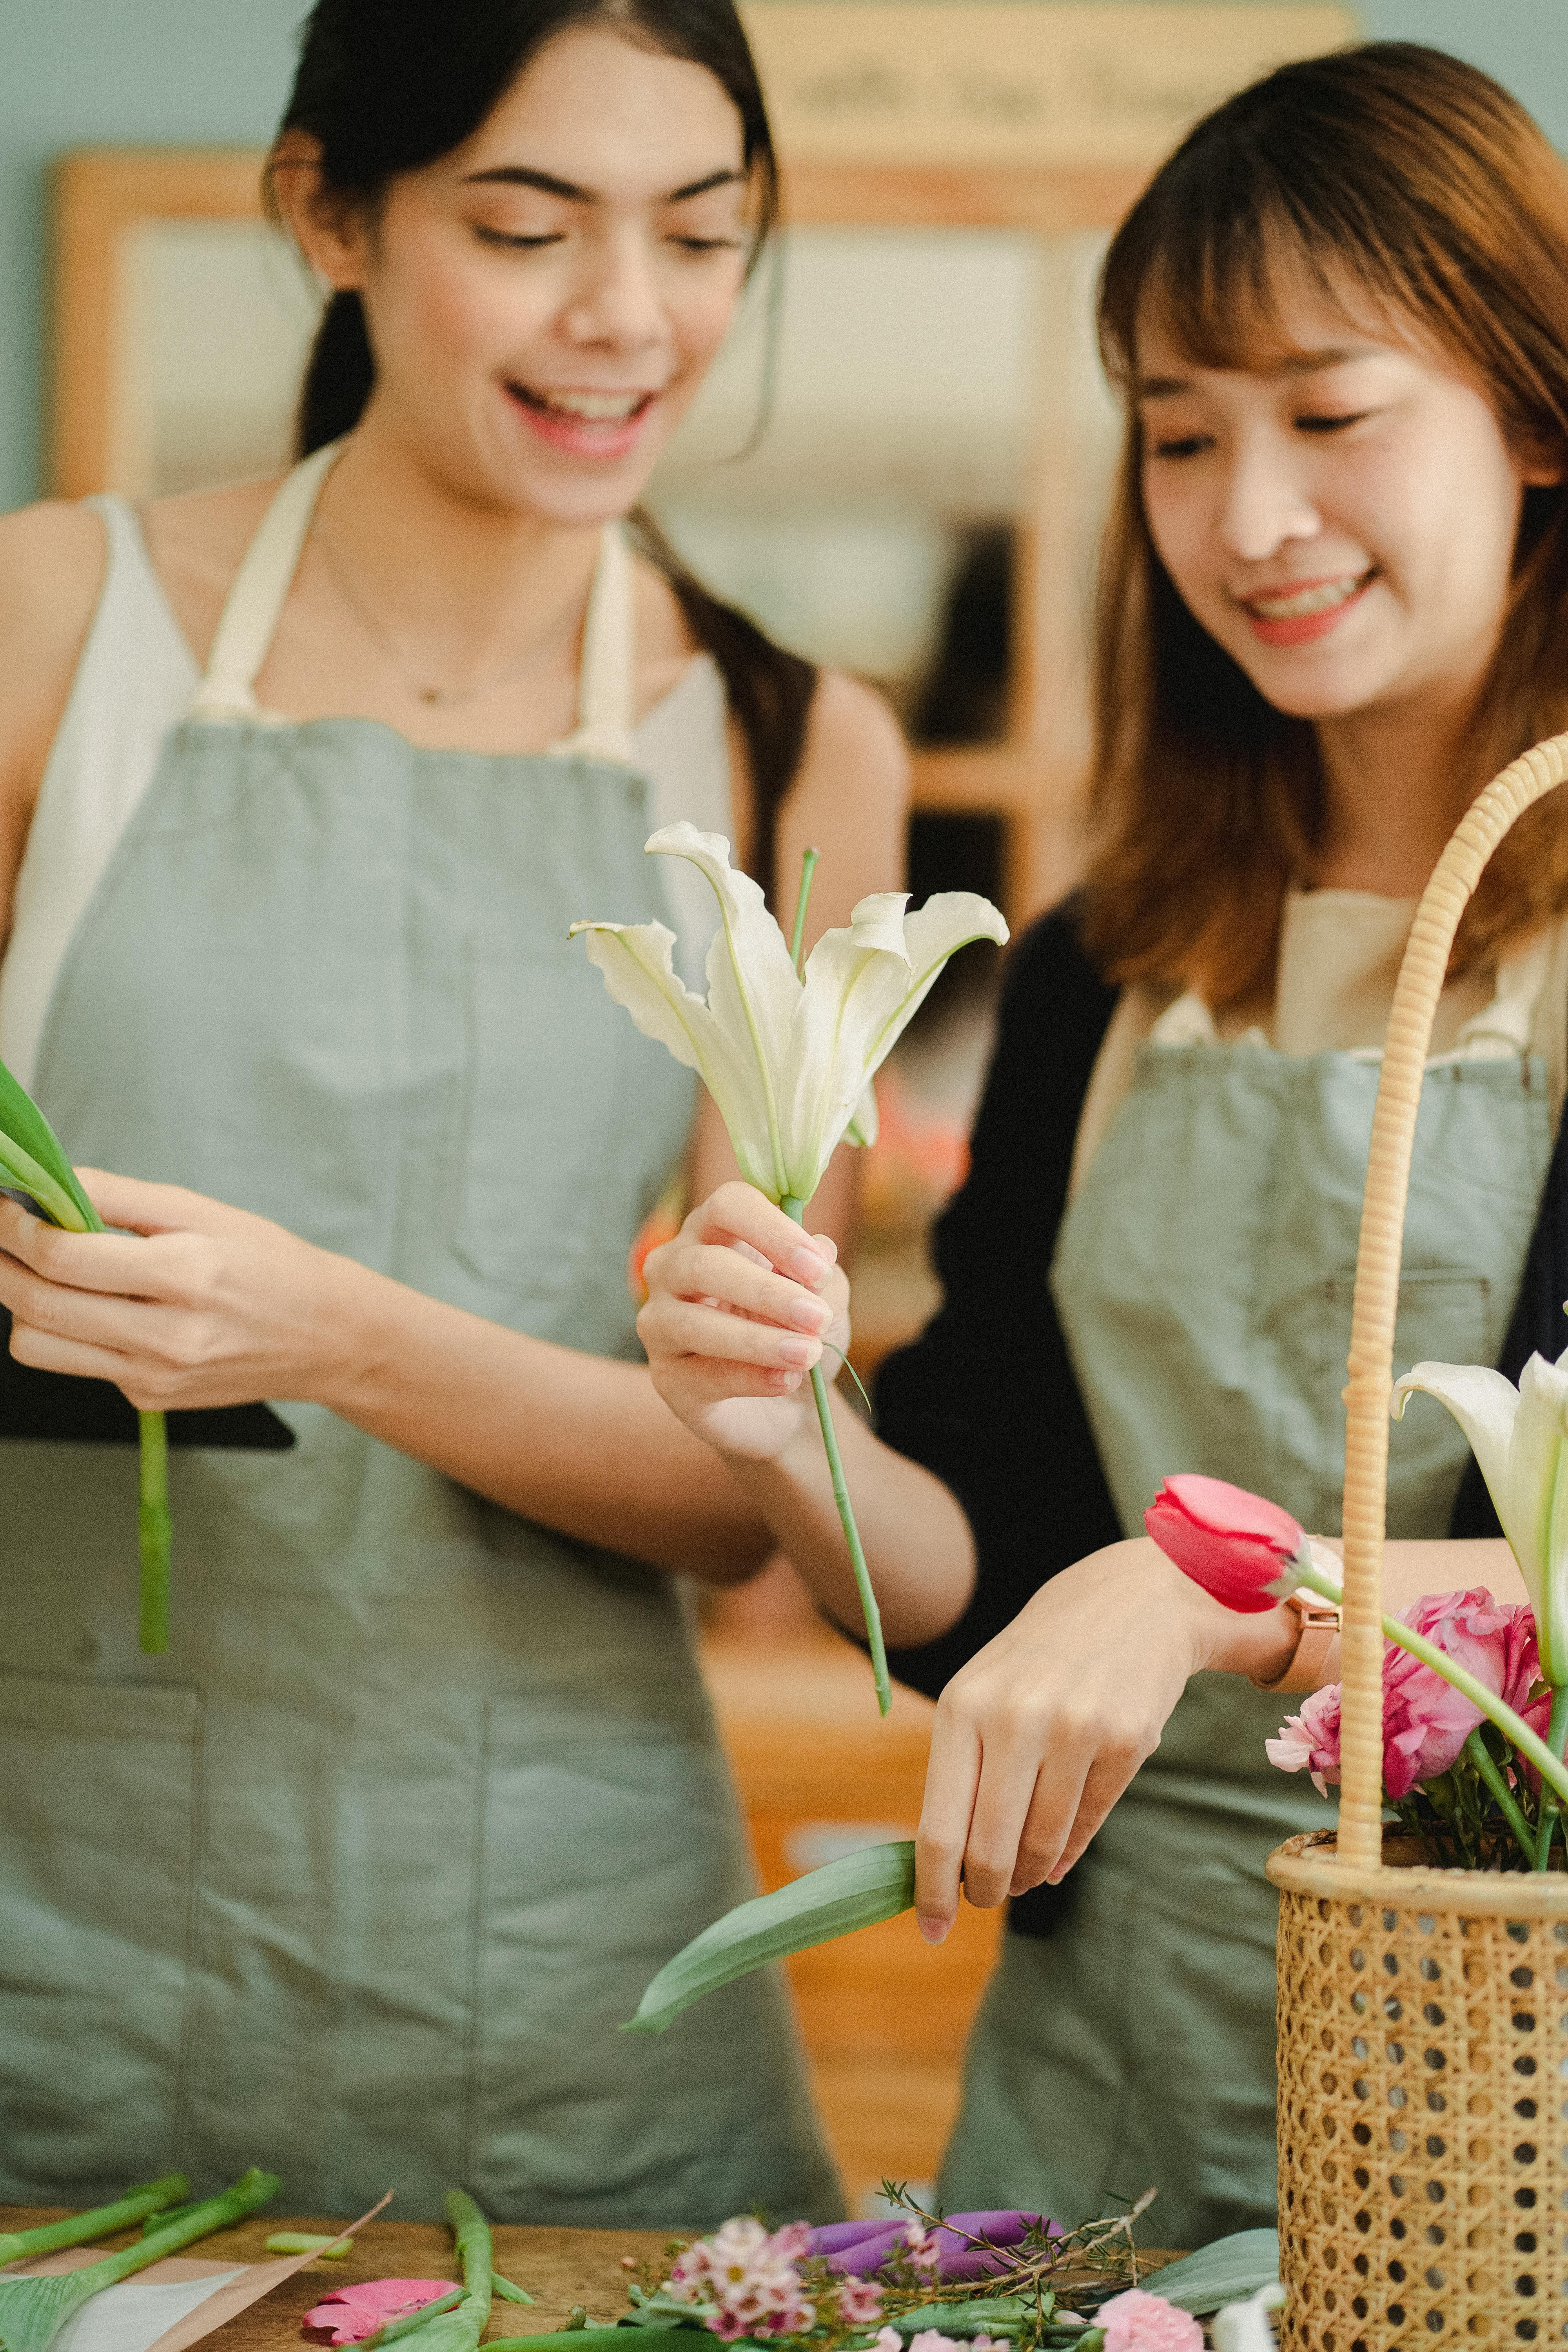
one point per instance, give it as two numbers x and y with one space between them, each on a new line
1038 1734
194 1304
741 1305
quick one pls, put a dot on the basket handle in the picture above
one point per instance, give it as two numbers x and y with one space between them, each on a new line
1376 1300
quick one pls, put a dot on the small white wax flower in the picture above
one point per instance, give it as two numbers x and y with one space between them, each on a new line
1519 1439
788 1060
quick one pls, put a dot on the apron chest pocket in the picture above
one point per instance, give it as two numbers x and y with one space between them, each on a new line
97 1889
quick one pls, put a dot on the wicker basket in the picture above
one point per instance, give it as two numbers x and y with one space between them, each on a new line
1423 2013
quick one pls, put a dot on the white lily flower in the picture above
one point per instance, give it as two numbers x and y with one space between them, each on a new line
788 1061
1519 1438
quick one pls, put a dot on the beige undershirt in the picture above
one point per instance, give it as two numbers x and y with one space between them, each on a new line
1339 959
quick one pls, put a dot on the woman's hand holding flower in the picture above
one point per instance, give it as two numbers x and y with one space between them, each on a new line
741 1305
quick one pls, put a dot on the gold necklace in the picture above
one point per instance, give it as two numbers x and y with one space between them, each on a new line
438 698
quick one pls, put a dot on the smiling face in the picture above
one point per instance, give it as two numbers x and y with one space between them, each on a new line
1340 514
544 301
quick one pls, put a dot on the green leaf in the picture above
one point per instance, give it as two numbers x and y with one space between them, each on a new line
26 2245
33 2310
602 2339
23 1123
1227 2271
996 2315
509 2292
854 1892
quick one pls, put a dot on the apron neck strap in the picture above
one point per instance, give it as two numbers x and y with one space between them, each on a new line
250 618
606 681
606 685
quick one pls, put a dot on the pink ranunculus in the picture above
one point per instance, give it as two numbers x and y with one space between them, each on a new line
1426 1721
1137 2322
352 2313
1235 1545
1310 1742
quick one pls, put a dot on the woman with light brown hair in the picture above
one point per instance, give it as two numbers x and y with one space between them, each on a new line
1334 601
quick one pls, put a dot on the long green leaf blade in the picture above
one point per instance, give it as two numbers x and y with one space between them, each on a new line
24 1123
854 1892
32 1161
49 2237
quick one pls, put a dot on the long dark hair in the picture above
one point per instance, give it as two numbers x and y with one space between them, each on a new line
387 85
1397 172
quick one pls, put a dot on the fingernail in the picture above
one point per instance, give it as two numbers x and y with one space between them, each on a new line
933 1931
809 1266
810 1314
798 1351
792 1380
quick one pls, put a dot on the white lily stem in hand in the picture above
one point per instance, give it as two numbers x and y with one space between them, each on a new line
870 1612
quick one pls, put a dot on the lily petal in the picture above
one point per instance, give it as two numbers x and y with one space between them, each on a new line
1537 1471
1486 1405
879 922
751 983
637 963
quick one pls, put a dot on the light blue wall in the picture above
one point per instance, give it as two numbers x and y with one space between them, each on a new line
191 72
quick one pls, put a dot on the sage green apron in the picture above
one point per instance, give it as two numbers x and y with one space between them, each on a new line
1203 1275
359 1880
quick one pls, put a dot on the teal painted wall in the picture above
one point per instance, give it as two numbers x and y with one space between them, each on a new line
81 73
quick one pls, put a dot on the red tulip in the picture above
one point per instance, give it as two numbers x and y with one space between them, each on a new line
1241 1548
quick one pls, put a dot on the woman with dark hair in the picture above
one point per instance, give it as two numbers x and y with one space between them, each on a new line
1335 602
300 788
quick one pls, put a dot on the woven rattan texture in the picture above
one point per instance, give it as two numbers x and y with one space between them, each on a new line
1423 2111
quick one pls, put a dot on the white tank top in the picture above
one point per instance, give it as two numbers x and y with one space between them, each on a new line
136 680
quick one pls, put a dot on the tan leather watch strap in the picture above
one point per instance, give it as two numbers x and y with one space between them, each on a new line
1315 1659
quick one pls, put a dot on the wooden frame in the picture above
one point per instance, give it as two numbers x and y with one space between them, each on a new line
1029 779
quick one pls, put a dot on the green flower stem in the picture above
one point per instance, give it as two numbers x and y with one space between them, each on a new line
79 1216
1529 1743
872 1614
152 1522
136 2205
1550 1808
1493 1774
798 941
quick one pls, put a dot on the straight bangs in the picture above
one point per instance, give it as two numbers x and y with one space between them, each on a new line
1412 194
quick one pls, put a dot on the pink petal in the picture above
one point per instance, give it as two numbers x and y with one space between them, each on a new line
1232 1543
352 2313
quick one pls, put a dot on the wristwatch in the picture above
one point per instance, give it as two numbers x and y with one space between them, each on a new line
1315 1658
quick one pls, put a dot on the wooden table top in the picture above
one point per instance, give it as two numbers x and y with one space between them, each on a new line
559 2268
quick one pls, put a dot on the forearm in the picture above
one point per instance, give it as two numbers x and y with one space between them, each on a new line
917 1541
583 1443
1260 1645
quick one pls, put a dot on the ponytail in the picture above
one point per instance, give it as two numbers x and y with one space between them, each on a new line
339 376
769 691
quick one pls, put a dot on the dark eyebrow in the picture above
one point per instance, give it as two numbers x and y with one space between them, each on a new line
1165 387
518 175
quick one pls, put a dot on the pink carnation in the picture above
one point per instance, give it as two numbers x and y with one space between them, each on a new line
350 2314
1137 2322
